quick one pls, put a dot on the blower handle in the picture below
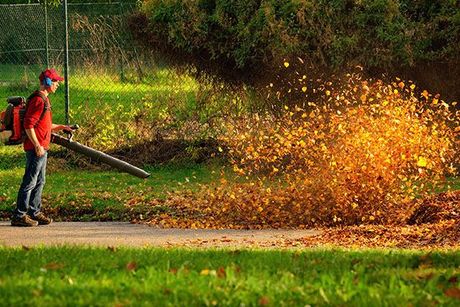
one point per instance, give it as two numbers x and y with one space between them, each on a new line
70 133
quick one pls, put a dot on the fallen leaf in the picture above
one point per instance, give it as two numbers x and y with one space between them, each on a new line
221 272
264 301
53 266
173 271
131 266
112 248
453 292
453 280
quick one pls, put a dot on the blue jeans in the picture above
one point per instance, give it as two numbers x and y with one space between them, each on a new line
30 193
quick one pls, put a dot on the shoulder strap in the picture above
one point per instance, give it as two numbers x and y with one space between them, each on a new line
43 97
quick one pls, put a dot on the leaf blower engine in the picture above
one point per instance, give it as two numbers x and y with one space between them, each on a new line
11 129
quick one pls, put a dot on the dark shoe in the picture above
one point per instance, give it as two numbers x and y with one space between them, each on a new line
24 221
42 219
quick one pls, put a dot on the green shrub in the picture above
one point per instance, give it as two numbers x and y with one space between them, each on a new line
374 33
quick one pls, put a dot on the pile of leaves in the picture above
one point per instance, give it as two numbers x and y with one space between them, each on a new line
434 221
437 208
255 206
441 234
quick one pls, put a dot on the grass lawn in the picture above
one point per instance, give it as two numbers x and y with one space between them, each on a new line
76 194
100 276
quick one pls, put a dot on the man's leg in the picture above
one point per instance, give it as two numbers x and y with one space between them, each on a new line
34 165
35 202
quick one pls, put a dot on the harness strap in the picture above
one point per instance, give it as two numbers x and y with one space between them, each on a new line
45 100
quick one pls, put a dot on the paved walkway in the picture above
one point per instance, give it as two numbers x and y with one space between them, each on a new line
126 234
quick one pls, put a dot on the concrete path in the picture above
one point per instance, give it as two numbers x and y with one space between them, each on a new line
126 234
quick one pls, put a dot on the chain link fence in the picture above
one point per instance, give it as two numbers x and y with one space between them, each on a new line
104 64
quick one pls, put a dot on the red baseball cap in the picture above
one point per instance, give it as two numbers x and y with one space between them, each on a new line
52 74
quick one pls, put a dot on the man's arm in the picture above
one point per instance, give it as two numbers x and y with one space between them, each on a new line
39 150
56 128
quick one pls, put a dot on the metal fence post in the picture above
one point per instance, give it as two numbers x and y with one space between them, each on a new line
122 72
66 62
46 35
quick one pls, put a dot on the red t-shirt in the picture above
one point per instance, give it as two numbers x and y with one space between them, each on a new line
42 126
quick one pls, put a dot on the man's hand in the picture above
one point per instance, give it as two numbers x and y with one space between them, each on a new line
39 151
67 129
56 128
61 127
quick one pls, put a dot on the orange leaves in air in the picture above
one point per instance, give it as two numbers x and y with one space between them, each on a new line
365 153
360 155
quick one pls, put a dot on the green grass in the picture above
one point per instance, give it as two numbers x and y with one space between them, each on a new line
11 72
165 89
96 276
77 194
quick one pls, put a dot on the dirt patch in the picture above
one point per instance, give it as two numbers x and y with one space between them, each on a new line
167 150
150 152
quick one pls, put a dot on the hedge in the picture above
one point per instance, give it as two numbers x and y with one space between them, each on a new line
374 33
57 2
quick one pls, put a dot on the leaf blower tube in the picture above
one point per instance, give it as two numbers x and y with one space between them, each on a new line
97 155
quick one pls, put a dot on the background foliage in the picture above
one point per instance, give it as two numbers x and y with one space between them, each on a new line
374 33
57 2
415 40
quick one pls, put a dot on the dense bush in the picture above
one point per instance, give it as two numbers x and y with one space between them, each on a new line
375 33
57 2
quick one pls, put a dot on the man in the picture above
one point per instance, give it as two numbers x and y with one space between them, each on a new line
38 127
